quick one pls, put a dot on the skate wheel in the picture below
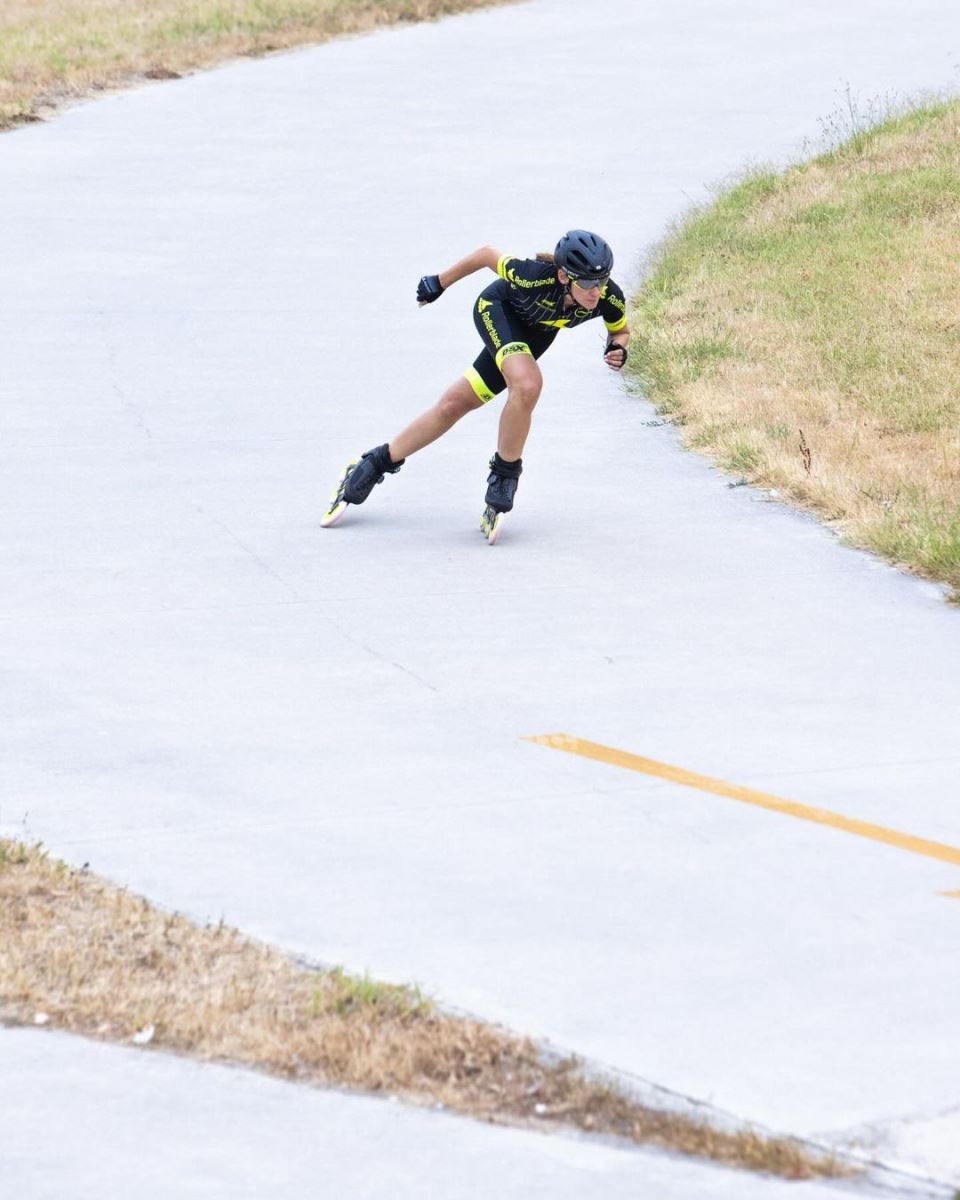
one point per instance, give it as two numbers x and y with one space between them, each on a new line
491 526
333 515
337 504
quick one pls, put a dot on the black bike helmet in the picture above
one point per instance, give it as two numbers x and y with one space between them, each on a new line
583 255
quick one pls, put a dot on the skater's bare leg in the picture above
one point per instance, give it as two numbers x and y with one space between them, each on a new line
456 402
524 383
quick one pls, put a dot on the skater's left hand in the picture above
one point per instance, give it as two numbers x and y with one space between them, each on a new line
615 356
429 289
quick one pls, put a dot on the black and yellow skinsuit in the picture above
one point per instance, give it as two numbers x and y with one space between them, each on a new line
522 312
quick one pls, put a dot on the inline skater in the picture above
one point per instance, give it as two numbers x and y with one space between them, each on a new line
517 316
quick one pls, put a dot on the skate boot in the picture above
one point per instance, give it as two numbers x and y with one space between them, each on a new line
502 483
501 488
368 472
357 481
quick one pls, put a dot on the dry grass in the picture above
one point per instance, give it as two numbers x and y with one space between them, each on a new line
97 961
804 330
56 51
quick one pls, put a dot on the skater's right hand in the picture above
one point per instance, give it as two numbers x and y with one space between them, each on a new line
429 289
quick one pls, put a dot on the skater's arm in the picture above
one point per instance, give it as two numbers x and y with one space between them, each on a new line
431 287
613 308
483 256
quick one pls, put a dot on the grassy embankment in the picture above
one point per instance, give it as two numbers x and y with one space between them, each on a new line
56 51
804 330
79 954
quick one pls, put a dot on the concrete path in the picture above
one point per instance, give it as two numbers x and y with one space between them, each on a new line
93 1121
206 305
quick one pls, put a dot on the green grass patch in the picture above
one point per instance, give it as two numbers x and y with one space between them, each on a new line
823 298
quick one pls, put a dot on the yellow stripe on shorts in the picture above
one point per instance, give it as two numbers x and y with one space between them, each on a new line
511 348
483 393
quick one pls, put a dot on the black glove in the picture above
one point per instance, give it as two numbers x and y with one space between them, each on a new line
611 345
429 289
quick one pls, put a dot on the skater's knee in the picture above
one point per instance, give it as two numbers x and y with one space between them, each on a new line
525 393
451 408
456 402
524 380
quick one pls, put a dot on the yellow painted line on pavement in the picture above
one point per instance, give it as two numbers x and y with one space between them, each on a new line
703 783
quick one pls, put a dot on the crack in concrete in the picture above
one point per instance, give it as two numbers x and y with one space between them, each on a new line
379 655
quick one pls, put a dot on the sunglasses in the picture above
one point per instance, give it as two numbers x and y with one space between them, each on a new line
589 284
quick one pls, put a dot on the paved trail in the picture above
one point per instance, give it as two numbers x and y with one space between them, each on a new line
207 304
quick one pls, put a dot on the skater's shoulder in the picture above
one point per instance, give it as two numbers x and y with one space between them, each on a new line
526 272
